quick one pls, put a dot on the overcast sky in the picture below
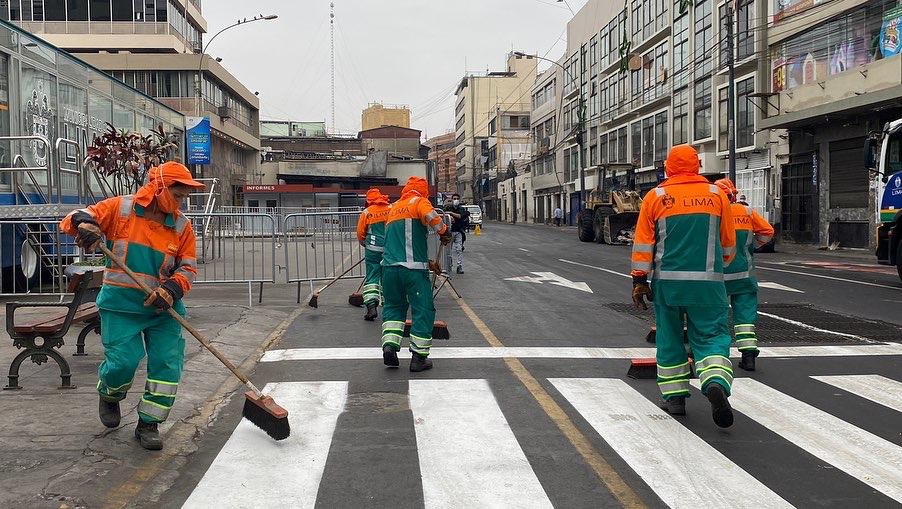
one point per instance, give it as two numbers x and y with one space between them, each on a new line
411 52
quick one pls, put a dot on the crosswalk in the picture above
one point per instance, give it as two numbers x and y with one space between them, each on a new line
471 453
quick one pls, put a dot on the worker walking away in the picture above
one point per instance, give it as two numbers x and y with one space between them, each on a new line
685 238
752 231
154 239
371 234
405 274
460 221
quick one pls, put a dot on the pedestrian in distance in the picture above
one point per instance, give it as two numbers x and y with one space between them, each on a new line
460 221
558 216
405 274
684 239
371 235
154 239
752 231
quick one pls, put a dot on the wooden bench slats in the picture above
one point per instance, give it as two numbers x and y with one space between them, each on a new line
86 311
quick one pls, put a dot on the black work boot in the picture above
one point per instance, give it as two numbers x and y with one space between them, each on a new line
389 356
148 435
748 360
674 406
109 413
720 406
371 311
419 363
460 270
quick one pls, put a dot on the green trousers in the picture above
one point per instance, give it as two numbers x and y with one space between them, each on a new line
125 337
745 315
709 339
372 284
403 288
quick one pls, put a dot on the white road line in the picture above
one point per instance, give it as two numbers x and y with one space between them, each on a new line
488 352
524 250
253 470
864 456
594 267
879 389
810 274
777 286
678 465
817 329
469 457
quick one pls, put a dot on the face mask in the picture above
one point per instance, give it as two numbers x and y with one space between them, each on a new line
456 202
166 202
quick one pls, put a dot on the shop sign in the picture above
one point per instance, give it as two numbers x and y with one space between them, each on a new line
199 143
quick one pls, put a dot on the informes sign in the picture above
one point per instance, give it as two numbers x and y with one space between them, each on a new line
890 43
199 143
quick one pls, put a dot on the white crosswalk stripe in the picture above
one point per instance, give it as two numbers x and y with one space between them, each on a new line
678 465
468 454
866 457
242 474
876 388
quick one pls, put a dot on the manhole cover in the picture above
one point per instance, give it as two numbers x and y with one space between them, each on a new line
777 329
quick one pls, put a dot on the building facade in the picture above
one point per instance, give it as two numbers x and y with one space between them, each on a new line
477 98
834 77
443 155
547 183
509 152
155 46
378 115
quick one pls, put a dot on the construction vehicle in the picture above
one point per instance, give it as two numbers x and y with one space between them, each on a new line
612 208
883 157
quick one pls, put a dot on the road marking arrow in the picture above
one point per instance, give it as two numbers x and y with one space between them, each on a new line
777 286
551 278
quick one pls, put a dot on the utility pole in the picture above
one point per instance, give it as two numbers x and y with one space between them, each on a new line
332 57
580 141
731 92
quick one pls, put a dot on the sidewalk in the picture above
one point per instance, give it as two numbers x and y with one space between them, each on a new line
54 452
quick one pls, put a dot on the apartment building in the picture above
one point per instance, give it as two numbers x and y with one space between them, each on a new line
547 183
443 155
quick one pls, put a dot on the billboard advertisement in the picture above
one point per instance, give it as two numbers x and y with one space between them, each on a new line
199 143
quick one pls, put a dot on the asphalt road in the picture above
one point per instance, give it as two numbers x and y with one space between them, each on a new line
529 404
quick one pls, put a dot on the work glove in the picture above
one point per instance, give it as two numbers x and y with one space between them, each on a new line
445 238
435 267
88 237
641 291
163 297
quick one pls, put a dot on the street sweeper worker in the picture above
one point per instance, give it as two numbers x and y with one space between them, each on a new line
155 240
371 234
684 239
752 231
405 274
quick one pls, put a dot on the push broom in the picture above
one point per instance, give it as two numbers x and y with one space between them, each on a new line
356 298
314 299
261 410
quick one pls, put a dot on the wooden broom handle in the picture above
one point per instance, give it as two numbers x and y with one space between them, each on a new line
184 323
340 276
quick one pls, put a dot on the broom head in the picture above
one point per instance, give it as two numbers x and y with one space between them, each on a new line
264 413
355 299
314 300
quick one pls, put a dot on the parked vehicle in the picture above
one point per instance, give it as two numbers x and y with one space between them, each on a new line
475 216
883 156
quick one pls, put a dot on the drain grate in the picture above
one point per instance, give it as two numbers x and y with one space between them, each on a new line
773 330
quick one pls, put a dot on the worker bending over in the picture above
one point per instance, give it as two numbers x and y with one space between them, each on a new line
371 234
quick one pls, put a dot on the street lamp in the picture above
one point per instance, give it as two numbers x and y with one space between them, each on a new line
580 131
203 52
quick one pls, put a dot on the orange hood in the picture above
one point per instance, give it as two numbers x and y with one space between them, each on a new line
682 160
163 176
375 197
415 186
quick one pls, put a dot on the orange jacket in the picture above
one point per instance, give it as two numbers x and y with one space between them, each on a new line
371 223
407 226
746 218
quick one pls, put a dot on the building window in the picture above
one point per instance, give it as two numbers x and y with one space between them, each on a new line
100 10
493 125
54 10
702 109
703 34
648 141
661 136
593 154
745 33
680 46
722 122
636 143
681 116
636 23
723 51
122 11
848 176
593 55
745 113
621 145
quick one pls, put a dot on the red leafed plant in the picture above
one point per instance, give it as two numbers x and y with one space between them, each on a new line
127 156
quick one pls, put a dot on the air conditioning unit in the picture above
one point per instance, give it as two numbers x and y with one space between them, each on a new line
224 112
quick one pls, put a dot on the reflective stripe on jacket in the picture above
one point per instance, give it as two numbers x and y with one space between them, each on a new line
154 251
684 238
406 231
371 227
751 230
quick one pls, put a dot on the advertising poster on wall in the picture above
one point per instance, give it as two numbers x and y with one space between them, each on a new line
199 142
889 33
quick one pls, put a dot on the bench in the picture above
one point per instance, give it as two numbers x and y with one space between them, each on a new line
52 328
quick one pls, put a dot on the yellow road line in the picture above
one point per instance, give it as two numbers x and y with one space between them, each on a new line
603 470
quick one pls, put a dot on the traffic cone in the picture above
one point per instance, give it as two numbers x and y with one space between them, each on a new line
478 230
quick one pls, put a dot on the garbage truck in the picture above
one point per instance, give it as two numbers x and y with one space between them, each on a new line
612 208
883 157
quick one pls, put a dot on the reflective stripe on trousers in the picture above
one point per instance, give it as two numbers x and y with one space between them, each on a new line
714 366
746 339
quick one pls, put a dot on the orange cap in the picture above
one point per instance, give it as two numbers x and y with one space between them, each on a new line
175 173
682 160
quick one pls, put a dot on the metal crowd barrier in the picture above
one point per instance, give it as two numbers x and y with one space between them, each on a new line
321 245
